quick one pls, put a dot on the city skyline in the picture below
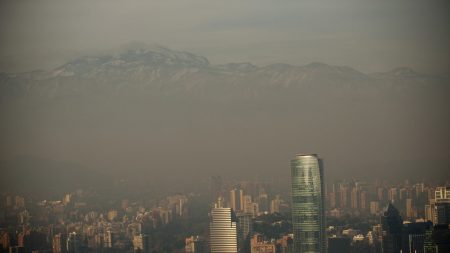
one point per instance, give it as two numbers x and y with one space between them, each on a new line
234 126
267 229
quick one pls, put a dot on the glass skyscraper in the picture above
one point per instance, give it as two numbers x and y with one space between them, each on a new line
308 217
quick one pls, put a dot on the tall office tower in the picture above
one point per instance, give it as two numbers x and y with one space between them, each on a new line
237 199
308 217
391 226
223 231
442 205
244 230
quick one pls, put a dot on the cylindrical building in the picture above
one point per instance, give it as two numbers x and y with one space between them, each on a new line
308 217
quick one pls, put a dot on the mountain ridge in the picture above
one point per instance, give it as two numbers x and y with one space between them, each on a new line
134 110
160 68
161 55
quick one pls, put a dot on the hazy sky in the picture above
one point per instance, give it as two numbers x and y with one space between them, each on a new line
372 128
367 35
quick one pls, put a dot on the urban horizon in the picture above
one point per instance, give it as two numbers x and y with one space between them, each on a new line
202 126
122 221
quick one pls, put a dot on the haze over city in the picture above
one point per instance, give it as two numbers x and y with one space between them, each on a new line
371 94
232 126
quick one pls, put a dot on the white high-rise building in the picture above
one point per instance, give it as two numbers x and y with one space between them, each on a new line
223 231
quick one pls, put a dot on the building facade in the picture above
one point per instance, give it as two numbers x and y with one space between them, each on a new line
237 199
258 245
442 205
223 231
308 218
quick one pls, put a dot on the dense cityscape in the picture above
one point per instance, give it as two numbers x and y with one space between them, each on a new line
199 126
354 216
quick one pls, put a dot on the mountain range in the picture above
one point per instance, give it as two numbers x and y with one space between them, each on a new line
132 111
161 69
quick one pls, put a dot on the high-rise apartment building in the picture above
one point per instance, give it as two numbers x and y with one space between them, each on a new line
343 196
392 194
223 231
237 199
308 217
363 200
354 198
